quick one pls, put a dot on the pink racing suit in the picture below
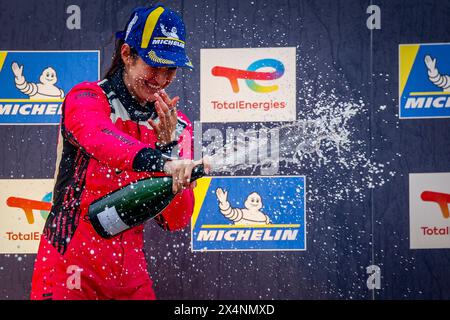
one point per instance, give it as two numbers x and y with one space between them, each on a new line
105 142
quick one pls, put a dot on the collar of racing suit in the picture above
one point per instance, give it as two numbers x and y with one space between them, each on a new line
136 111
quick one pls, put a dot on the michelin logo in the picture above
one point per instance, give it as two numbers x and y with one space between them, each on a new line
43 90
171 37
250 213
169 34
248 235
169 42
34 83
249 216
424 89
46 89
441 81
10 109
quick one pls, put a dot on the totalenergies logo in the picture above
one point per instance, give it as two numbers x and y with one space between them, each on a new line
28 205
251 74
442 199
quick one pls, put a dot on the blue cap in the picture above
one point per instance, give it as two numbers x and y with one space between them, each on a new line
158 34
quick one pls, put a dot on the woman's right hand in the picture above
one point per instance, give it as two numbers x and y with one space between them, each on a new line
181 170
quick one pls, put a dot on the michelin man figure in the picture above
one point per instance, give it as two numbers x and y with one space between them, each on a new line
170 34
442 81
250 215
46 89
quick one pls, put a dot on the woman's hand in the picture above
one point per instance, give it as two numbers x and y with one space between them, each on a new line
167 114
181 170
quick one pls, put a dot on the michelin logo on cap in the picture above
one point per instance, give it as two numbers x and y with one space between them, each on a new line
172 37
158 34
424 84
170 34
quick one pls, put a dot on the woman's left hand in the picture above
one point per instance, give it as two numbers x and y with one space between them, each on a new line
167 114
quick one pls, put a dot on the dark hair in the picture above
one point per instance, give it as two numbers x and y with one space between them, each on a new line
117 62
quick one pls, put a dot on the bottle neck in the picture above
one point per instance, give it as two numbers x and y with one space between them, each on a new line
197 172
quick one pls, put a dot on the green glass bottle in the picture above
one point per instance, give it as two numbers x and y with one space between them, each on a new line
133 204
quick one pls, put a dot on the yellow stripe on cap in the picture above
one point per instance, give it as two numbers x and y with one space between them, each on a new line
150 24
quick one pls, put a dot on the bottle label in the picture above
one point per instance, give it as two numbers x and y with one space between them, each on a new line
111 222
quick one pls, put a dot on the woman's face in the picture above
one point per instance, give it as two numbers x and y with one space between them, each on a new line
142 80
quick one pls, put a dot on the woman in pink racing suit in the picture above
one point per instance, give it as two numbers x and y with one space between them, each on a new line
113 132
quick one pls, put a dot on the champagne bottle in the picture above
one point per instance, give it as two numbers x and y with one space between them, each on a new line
133 204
